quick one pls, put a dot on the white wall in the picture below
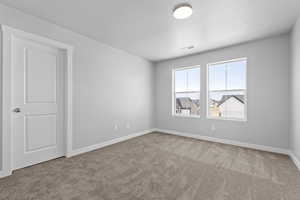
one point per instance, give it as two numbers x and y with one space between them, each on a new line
268 94
295 91
110 85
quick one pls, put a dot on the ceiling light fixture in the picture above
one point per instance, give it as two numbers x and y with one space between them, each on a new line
182 11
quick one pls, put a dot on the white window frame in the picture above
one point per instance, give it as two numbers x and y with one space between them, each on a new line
245 119
174 92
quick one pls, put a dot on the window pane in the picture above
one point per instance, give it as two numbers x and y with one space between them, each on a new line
187 103
236 75
217 77
227 89
193 79
187 92
180 81
227 104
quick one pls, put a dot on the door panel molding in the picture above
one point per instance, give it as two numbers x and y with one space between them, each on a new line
30 97
30 145
7 34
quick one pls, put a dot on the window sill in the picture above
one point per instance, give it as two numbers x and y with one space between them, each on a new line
187 116
227 119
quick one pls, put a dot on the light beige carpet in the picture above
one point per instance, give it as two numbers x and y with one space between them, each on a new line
161 167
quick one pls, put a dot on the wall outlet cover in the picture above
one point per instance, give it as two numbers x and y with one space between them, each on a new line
213 127
116 127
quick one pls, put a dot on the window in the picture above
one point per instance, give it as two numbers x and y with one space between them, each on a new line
186 94
227 90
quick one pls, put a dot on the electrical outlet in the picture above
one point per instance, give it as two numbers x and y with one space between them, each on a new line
116 127
213 127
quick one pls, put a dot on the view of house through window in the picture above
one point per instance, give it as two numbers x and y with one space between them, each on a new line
227 90
187 91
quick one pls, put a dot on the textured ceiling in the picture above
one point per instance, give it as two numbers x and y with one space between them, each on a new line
147 28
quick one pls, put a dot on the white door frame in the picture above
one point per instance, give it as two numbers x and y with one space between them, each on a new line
6 121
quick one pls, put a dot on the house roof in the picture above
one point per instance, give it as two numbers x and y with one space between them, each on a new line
240 98
184 102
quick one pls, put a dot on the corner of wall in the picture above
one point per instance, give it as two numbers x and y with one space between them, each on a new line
294 137
154 67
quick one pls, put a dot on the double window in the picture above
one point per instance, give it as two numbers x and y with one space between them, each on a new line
226 90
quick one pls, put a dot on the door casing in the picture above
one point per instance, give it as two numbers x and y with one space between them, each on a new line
6 108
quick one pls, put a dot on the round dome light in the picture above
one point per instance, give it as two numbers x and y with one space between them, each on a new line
182 11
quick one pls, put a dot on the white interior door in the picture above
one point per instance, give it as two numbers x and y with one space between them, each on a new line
37 102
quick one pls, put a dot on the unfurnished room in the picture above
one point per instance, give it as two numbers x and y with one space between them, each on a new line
150 100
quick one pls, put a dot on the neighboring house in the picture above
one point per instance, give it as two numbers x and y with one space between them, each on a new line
213 108
187 106
232 106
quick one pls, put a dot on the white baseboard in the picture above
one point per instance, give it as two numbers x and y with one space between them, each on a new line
1 174
295 159
226 141
4 174
107 143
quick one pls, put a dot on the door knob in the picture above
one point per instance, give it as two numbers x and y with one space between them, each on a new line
17 110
